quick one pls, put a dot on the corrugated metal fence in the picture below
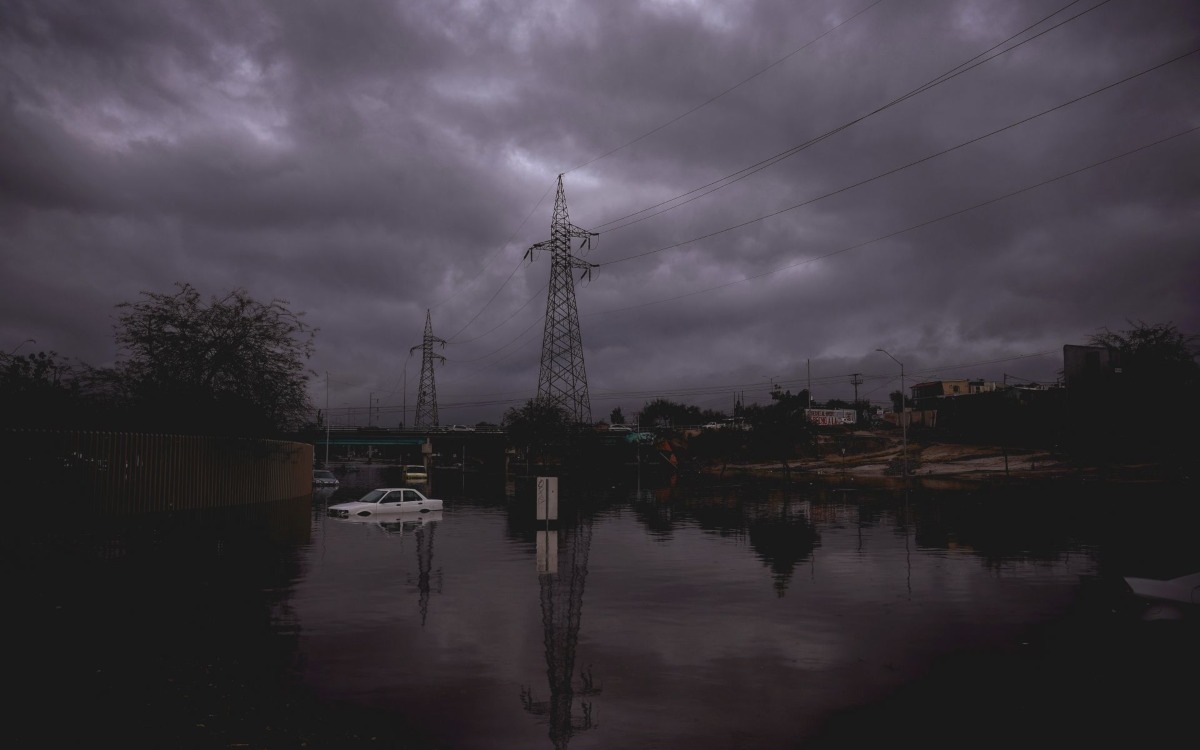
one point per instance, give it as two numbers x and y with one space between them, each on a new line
111 473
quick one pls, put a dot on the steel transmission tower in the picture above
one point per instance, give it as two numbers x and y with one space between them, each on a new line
562 380
427 415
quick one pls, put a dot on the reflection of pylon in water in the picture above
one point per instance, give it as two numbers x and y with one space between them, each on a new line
562 608
424 566
427 413
562 379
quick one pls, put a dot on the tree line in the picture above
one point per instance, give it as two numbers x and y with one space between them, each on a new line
186 364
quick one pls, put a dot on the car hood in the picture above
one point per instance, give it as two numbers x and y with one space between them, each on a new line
353 506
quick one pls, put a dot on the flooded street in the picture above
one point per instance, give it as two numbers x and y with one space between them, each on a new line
698 616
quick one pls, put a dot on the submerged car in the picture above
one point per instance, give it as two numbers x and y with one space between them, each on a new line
322 478
386 501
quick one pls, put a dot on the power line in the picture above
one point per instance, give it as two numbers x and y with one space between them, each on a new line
488 261
920 225
724 388
874 240
709 101
948 75
910 164
625 145
535 295
772 160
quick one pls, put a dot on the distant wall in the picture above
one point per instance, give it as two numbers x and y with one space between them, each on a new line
111 473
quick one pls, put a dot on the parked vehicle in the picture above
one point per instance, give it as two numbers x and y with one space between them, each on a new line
415 473
386 501
460 428
323 478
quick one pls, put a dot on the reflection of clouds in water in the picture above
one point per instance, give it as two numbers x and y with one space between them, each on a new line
669 624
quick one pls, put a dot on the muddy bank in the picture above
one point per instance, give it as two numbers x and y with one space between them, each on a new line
880 464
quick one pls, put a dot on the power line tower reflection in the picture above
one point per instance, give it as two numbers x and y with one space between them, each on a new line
562 572
562 379
427 413
424 535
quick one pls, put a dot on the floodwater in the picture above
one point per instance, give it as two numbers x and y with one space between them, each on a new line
690 615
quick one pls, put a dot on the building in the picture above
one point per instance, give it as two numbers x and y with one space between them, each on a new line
925 396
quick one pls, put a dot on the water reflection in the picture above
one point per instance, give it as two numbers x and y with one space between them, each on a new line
562 567
734 615
422 528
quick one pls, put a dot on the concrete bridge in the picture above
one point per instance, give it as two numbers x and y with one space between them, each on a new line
432 447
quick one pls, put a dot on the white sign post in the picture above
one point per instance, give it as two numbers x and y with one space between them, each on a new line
547 551
547 498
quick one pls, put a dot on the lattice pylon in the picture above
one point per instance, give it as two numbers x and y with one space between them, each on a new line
562 378
427 411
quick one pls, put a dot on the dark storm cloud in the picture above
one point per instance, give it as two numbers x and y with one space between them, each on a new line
368 162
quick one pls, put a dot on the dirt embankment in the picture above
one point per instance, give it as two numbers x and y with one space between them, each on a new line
873 457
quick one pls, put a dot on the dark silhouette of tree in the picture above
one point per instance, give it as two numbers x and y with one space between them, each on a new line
616 417
225 365
537 427
1153 389
664 412
40 389
1154 353
780 426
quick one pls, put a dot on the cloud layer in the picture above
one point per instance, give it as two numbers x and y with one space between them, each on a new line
370 162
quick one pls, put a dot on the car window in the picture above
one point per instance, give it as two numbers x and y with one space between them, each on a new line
373 496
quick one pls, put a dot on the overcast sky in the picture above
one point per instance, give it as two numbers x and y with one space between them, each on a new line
369 161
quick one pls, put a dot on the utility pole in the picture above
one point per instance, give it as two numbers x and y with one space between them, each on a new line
856 381
404 395
327 419
562 379
427 415
808 366
370 406
903 414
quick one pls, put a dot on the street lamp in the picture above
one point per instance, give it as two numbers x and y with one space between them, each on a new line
903 420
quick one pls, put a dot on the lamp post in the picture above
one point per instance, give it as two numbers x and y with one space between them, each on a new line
903 419
327 418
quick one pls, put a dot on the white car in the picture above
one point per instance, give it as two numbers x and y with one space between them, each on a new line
460 428
386 501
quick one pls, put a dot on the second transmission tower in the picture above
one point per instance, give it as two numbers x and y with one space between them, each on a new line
562 380
427 415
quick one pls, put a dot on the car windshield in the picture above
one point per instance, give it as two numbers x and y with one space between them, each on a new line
415 469
373 496
323 474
